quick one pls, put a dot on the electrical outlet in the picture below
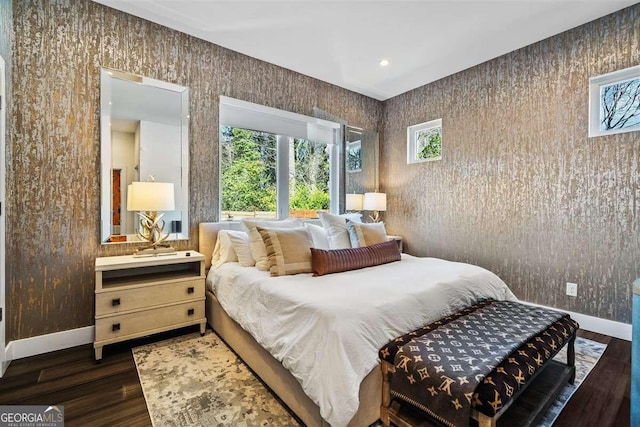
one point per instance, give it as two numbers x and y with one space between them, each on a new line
572 289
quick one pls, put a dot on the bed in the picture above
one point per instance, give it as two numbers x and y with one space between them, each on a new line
314 340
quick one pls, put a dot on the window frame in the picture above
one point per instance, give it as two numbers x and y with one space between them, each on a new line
283 123
412 141
595 99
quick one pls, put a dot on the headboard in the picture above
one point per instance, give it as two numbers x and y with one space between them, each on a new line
208 234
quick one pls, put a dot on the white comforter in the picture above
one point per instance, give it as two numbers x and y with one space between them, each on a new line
327 330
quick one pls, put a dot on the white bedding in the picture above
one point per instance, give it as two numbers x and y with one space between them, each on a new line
327 330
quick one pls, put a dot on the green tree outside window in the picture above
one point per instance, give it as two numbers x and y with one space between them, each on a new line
430 143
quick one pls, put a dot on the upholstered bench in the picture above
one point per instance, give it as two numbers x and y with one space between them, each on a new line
429 364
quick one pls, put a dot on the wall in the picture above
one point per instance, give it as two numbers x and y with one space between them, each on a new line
6 33
54 179
635 357
165 164
521 190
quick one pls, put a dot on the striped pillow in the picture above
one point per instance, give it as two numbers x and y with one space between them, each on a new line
256 244
288 250
366 234
337 260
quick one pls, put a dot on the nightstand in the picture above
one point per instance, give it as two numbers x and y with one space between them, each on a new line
138 296
398 240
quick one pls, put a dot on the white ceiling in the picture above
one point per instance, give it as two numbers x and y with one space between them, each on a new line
342 41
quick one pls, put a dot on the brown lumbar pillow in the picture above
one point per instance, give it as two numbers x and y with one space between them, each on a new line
337 260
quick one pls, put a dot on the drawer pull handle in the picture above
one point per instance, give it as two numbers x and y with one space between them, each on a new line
190 290
115 327
191 312
115 302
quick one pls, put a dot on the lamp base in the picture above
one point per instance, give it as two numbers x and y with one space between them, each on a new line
375 217
155 251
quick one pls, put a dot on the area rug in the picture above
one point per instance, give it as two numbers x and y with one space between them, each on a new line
587 355
197 381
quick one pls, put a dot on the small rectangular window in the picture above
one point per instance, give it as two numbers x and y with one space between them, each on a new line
614 102
424 142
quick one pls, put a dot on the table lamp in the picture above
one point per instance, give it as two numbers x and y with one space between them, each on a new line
354 202
147 198
375 202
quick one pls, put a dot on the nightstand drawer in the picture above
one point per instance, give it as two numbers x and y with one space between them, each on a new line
134 323
122 300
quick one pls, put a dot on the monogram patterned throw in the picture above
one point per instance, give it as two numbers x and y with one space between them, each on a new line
439 370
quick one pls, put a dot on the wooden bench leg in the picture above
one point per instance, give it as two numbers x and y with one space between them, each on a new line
485 421
571 358
386 393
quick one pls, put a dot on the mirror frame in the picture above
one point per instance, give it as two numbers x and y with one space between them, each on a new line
106 77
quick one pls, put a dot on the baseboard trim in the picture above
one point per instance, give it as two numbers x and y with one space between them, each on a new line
41 344
596 324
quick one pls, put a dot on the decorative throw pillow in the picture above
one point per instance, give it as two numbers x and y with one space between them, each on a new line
336 226
318 236
288 250
240 243
223 251
256 244
366 234
335 261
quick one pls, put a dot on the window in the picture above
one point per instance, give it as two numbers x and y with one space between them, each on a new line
309 176
248 173
614 102
287 168
424 142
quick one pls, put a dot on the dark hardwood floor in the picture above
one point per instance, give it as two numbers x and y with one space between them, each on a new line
109 393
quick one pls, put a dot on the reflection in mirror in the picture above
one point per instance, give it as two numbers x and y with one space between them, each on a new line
361 160
144 137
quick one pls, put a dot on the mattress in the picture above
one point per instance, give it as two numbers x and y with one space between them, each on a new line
327 330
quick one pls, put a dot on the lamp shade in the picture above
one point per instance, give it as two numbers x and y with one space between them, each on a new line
150 196
354 202
375 202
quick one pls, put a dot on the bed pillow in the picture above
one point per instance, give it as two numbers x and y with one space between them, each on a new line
240 243
256 244
366 234
336 226
335 261
319 236
223 251
288 250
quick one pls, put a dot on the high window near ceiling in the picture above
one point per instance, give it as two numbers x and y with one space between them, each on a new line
276 164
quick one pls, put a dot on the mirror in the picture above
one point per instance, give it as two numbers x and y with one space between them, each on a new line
144 136
361 160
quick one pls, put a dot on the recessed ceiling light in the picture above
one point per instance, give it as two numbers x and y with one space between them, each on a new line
384 62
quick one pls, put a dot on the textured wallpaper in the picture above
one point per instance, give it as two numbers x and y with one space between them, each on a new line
54 179
521 190
6 29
